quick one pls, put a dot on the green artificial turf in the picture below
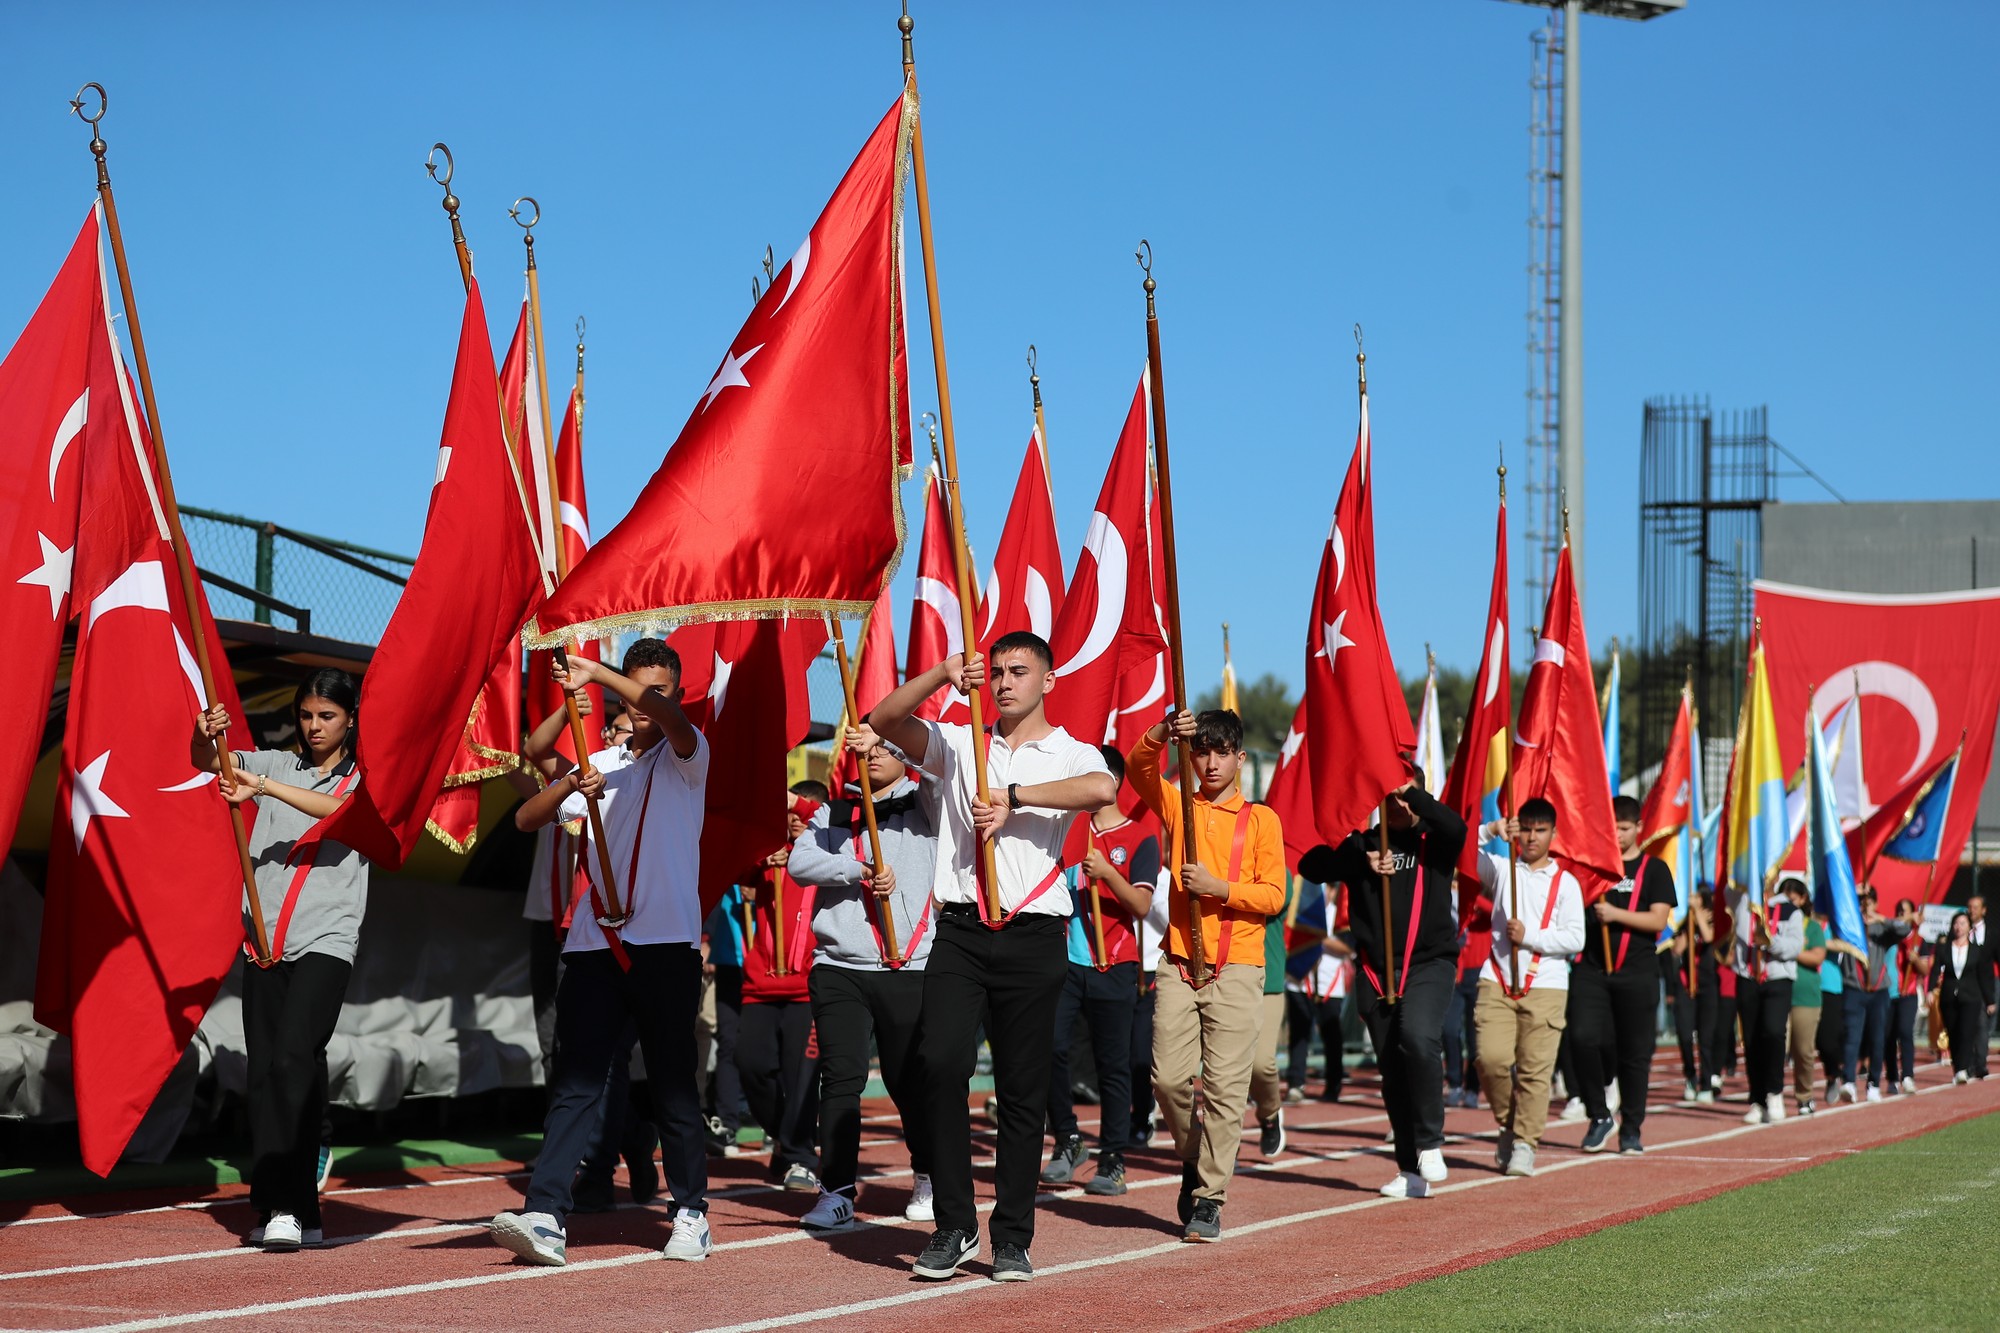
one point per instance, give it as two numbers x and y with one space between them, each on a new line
1893 1237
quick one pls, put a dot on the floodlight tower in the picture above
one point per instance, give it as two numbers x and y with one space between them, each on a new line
1569 335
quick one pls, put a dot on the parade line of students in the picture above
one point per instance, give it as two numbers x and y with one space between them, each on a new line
1084 913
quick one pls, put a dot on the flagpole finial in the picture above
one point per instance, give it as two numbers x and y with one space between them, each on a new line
579 344
528 227
1563 496
931 425
1144 254
97 144
1034 377
1360 359
906 25
1501 448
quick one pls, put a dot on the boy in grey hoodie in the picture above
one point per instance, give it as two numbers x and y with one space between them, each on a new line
855 993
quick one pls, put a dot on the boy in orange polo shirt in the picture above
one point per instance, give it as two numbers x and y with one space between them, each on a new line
1239 875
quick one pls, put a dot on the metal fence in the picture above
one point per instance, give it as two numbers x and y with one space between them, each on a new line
255 569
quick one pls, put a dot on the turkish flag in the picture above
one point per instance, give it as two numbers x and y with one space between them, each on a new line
1925 664
937 629
810 404
44 401
1144 688
472 587
874 679
1360 722
1110 621
1479 766
144 905
1025 589
573 534
1559 744
732 673
1290 793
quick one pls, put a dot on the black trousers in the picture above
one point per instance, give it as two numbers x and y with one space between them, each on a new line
288 1015
1304 1015
1142 1056
1105 1001
778 1060
1831 1039
1902 1053
661 996
850 1006
544 972
726 1096
1964 1021
1409 1049
1013 978
1611 1024
1765 1010
625 1117
1680 1005
1715 1029
1461 1043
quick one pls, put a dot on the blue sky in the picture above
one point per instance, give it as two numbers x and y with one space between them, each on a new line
1786 203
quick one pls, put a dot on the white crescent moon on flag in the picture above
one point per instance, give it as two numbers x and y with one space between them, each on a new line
1107 546
1041 607
1494 648
70 427
1154 692
944 603
1339 556
992 599
796 266
1886 680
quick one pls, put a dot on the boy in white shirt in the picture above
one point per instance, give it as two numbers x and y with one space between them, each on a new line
1524 991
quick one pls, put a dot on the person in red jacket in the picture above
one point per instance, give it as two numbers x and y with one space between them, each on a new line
776 1053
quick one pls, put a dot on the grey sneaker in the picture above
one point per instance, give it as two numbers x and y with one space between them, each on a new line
1064 1161
948 1249
1109 1180
1010 1264
1206 1224
690 1239
536 1237
1521 1162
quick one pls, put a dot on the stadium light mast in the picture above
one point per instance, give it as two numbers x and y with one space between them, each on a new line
1569 406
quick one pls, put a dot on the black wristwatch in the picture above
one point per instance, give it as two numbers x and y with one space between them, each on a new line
1013 796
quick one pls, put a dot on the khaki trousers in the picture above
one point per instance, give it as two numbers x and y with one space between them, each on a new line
1517 1040
1805 1049
1210 1034
1267 1090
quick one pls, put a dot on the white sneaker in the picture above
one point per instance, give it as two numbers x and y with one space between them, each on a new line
1407 1185
1757 1115
1909 1087
1389 1139
1688 1093
1574 1109
920 1207
1874 1093
690 1238
1430 1166
536 1237
832 1211
311 1238
1706 1097
1959 1077
283 1232
1774 1108
1522 1161
1847 1094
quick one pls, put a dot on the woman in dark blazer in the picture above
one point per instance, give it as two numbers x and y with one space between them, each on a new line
1963 976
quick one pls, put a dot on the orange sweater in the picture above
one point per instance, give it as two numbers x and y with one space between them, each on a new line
1257 891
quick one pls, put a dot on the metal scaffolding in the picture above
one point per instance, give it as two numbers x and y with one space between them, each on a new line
1541 534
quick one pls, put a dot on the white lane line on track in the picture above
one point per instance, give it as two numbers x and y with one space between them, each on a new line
205 1205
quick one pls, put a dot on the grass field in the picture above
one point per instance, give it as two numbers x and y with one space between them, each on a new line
1894 1237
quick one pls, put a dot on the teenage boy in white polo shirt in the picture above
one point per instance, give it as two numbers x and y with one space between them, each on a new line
644 970
1009 971
1518 1029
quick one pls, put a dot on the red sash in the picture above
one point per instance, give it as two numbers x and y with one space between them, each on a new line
874 918
1631 905
597 906
1534 964
299 873
1416 916
1049 881
1225 916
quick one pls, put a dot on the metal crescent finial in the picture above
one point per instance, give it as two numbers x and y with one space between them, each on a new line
1144 254
1031 364
756 289
579 330
515 212
430 165
930 424
103 103
1358 348
770 269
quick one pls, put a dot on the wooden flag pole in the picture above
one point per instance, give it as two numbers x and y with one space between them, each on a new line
615 913
1696 841
1388 927
170 514
890 952
1197 946
1096 897
961 554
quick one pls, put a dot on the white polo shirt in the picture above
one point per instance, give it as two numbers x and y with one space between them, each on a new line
662 892
1557 945
1030 843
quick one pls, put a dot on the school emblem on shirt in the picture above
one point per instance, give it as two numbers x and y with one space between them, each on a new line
1118 856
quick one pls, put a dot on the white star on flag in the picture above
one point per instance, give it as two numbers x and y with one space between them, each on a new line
729 376
1332 640
718 688
53 573
87 799
1294 738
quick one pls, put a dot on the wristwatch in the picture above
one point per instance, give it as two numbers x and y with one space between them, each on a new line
1013 796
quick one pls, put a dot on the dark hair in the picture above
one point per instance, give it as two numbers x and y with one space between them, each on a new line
1626 809
1910 903
1536 810
1218 729
1024 641
651 653
1792 882
812 789
1955 919
337 688
1113 761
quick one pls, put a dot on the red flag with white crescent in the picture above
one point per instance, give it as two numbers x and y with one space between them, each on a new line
937 630
1479 766
874 679
1025 589
1290 792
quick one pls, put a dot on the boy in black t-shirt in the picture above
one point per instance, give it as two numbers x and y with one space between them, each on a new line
1613 1002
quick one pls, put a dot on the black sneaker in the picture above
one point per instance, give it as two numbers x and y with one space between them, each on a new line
1010 1264
948 1249
1190 1177
1628 1141
1594 1137
1271 1136
1064 1161
1206 1224
1110 1177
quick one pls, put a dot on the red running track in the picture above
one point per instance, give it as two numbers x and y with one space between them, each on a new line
1301 1232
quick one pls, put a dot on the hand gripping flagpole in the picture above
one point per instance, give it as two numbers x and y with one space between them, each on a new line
1197 946
961 554
170 510
890 953
615 914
